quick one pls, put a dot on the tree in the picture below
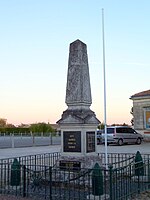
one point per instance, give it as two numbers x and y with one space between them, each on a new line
10 126
132 120
41 127
3 122
101 126
123 124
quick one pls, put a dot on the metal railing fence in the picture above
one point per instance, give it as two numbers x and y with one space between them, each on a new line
44 182
117 160
46 159
127 181
39 178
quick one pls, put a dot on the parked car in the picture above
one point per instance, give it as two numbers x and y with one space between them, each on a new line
121 135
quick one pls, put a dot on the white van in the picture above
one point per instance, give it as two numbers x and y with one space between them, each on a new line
121 135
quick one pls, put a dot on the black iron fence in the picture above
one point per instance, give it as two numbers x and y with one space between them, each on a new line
115 159
39 178
46 159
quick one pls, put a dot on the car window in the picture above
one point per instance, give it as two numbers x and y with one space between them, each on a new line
130 130
119 130
110 130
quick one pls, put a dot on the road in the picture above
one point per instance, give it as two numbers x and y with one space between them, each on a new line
17 142
18 152
144 148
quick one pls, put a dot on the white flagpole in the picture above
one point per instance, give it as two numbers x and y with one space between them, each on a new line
105 118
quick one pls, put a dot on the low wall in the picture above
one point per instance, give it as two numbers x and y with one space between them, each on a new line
147 136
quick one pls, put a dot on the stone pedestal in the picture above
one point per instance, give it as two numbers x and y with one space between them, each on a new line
78 144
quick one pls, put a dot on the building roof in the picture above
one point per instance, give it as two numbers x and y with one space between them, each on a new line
54 126
145 93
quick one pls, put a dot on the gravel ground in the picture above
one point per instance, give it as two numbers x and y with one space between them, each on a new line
143 196
11 197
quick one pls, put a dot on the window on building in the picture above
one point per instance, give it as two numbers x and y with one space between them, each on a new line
147 117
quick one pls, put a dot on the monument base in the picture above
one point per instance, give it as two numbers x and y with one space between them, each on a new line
78 162
75 167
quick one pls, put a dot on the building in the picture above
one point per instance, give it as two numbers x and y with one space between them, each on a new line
141 111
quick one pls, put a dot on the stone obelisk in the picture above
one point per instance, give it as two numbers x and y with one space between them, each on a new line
78 92
78 123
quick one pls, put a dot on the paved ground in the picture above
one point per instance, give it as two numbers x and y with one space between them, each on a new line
143 148
16 152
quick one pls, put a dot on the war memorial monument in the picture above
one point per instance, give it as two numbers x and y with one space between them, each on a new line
78 124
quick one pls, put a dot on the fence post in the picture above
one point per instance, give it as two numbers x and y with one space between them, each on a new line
33 139
148 172
50 135
15 173
42 134
110 179
139 167
97 180
50 185
24 181
130 175
12 141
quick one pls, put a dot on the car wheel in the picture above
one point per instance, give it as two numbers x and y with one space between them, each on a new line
120 142
138 141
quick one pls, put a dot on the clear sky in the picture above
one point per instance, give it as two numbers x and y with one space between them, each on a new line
34 48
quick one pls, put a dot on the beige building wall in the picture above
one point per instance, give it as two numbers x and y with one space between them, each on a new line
141 111
140 106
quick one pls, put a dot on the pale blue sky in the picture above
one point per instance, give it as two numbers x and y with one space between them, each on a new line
34 48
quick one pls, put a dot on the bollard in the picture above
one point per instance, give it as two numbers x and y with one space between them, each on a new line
97 180
15 173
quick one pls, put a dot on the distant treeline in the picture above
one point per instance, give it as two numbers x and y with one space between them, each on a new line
34 129
15 130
